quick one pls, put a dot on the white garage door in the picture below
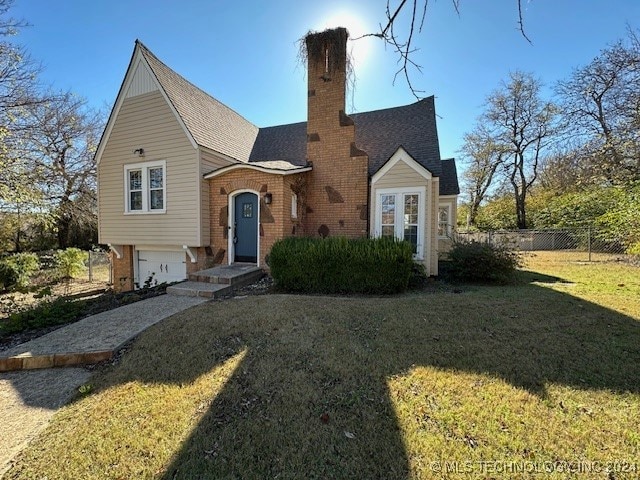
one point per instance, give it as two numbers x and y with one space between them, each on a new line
164 266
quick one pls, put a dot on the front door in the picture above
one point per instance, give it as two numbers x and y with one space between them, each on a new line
246 227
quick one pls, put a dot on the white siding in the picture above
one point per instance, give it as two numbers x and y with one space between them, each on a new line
146 121
401 175
142 82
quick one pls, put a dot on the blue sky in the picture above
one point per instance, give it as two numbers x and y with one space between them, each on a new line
244 53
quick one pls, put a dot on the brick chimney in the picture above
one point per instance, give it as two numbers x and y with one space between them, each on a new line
338 186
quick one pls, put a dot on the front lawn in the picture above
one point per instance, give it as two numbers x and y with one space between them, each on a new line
509 382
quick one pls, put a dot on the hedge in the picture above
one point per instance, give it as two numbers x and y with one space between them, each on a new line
341 265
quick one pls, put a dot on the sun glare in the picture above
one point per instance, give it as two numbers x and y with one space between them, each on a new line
361 49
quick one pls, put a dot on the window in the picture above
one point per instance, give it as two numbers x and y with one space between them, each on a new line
411 220
145 187
444 222
247 210
294 205
388 216
400 214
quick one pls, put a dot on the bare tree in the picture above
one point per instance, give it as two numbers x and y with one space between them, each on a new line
567 168
601 108
483 156
18 90
61 152
523 126
403 22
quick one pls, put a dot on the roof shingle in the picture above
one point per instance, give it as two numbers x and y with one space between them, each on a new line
211 123
379 133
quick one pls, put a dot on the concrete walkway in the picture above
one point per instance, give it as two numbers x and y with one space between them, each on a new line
95 338
30 396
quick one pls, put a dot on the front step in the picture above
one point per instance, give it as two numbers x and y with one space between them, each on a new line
199 289
218 281
236 275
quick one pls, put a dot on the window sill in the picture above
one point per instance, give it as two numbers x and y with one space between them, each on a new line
149 212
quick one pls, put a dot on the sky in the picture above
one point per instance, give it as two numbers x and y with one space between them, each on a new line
245 52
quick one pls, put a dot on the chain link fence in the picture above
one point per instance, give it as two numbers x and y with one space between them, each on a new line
580 244
99 267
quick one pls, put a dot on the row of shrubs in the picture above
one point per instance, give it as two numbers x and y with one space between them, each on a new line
341 265
378 266
17 270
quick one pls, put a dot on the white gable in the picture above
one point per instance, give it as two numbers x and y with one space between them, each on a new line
401 155
142 81
138 80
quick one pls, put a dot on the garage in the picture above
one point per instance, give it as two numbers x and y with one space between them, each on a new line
164 266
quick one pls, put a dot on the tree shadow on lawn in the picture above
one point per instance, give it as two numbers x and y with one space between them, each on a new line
311 399
306 366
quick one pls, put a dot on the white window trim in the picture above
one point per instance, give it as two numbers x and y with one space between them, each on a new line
294 205
448 228
144 167
399 220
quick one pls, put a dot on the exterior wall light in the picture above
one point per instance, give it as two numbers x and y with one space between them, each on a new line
268 198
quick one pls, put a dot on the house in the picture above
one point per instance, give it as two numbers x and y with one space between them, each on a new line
185 182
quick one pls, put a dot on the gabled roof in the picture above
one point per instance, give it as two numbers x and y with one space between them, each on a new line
206 121
379 133
211 123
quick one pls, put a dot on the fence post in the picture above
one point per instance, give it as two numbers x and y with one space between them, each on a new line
90 268
589 241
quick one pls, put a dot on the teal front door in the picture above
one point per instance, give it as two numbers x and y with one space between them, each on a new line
245 228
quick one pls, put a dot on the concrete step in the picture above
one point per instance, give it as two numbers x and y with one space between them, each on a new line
236 275
199 289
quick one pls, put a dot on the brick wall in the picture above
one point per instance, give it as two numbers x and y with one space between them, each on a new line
204 259
275 219
123 269
338 185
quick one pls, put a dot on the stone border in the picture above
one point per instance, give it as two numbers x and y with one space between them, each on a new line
32 362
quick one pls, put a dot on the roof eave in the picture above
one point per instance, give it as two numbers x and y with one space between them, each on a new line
250 166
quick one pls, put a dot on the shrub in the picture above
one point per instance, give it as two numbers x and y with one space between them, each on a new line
17 269
482 262
70 262
48 313
341 265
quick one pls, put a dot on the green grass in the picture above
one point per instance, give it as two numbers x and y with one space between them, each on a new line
282 386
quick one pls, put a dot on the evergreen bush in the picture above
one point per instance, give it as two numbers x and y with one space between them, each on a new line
482 262
341 265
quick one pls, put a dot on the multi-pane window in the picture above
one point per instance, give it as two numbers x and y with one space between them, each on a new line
156 188
145 188
247 210
444 227
411 219
135 190
388 216
401 215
